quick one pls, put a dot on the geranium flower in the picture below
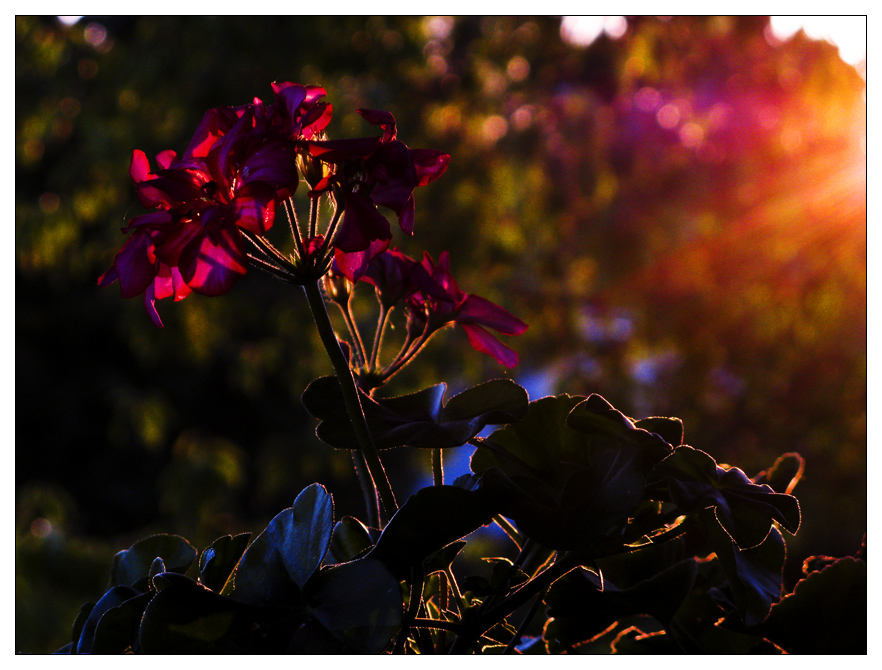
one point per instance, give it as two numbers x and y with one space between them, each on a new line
396 276
474 313
239 164
369 172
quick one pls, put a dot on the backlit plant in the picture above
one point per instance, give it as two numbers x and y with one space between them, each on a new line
620 536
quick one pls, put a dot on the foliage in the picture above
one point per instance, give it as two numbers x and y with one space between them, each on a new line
698 277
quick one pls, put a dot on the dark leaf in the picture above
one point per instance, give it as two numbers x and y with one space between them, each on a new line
133 565
350 540
583 610
571 472
420 419
218 561
669 429
442 559
117 630
280 560
114 597
536 443
79 622
754 574
187 618
430 519
825 614
359 603
784 474
744 509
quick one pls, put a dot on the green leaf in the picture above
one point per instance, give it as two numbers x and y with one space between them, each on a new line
784 474
536 443
420 419
609 427
275 567
186 617
571 472
582 609
132 566
79 622
430 519
114 597
744 509
350 540
825 614
443 558
669 429
754 574
312 524
358 602
117 630
218 561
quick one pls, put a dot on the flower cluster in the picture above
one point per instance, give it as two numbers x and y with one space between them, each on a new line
241 165
433 300
213 206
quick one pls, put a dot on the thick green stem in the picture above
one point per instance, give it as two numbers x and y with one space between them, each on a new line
353 402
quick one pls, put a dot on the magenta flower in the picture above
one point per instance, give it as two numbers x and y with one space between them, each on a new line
369 172
396 276
239 164
440 301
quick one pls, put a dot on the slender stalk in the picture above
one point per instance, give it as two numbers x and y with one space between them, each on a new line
410 349
353 330
509 530
294 224
353 404
313 216
437 467
441 624
416 597
454 588
510 647
329 234
539 584
536 586
382 320
258 262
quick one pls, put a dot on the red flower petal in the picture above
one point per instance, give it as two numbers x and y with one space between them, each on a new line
481 311
133 265
255 207
212 267
383 119
139 168
484 342
361 225
354 265
429 164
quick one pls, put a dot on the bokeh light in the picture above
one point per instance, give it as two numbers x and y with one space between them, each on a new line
848 33
581 31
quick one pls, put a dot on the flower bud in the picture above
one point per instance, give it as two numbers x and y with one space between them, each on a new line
311 168
338 287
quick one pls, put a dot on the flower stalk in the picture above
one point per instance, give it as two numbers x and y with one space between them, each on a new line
374 467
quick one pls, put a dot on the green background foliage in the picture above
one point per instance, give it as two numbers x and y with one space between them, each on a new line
679 214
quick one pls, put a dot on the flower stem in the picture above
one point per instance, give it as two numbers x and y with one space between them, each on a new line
374 466
437 467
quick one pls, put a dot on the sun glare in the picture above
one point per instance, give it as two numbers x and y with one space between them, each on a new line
848 33
581 31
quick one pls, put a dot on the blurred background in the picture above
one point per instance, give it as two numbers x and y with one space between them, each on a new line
676 206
